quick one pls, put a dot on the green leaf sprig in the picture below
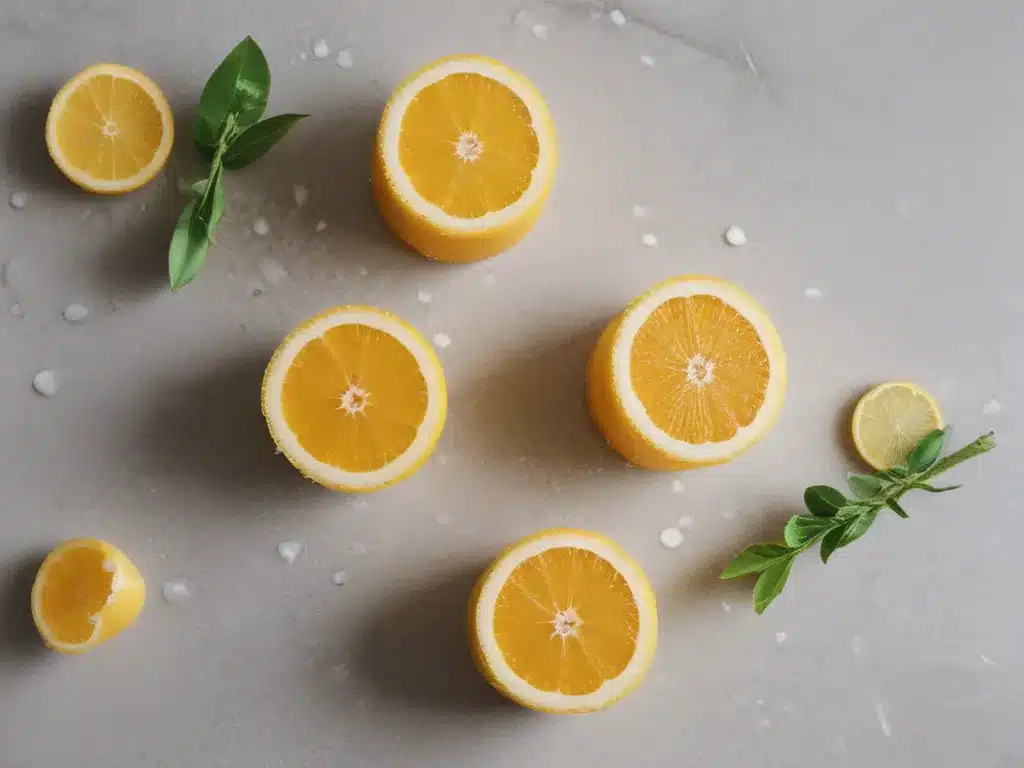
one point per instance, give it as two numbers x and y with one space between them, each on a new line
837 521
229 134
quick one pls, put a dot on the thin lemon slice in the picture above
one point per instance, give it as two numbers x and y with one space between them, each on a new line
86 592
465 159
110 129
355 398
564 621
692 373
890 420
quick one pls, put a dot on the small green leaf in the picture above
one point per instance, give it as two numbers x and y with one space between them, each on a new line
193 234
899 471
803 528
934 489
754 559
252 143
770 584
857 527
926 452
864 486
983 444
823 500
240 86
895 507
830 541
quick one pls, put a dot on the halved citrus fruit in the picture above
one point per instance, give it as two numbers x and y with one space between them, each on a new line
564 621
692 373
355 398
86 592
890 420
110 129
464 160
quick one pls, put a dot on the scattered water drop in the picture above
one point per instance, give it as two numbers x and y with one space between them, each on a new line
812 293
671 538
321 225
361 504
363 271
685 522
443 518
729 514
289 551
639 212
260 226
442 340
992 407
344 59
75 313
45 383
424 297
618 17
17 310
647 61
677 486
273 272
321 50
442 460
489 279
986 660
176 591
857 645
650 239
781 637
360 548
726 607
18 200
300 194
735 236
540 31
883 720
339 578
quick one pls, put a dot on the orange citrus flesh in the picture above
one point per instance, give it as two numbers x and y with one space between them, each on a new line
76 589
466 160
386 391
603 621
699 368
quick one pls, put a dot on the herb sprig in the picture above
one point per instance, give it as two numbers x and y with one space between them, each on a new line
229 135
837 521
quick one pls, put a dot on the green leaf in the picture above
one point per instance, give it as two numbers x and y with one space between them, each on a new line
983 444
899 471
803 528
857 527
926 452
770 584
895 507
864 486
823 500
754 559
193 234
830 541
934 489
239 86
252 143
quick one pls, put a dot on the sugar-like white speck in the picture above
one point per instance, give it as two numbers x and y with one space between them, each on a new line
647 61
735 236
986 660
360 548
45 383
75 313
639 212
489 279
344 59
618 17
726 607
812 293
443 518
273 272
300 194
321 225
442 340
540 31
760 702
17 310
729 514
289 551
650 239
338 578
260 226
685 522
424 297
677 486
992 407
303 56
18 200
671 538
781 637
176 591
321 50
883 720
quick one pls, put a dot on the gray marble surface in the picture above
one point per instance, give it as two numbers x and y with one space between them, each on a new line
872 150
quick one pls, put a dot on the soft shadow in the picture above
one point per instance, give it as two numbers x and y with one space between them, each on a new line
414 650
532 407
27 159
844 432
206 429
19 640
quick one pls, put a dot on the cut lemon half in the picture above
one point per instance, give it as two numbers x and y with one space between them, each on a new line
355 398
464 160
692 373
890 420
86 592
110 129
564 621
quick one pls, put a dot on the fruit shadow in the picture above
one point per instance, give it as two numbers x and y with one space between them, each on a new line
844 428
27 160
413 650
532 407
19 640
206 429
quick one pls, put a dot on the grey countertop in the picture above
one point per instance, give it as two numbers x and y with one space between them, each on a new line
872 151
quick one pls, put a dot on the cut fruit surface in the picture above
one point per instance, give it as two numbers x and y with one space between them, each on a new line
890 420
86 592
465 159
692 373
355 398
564 621
110 129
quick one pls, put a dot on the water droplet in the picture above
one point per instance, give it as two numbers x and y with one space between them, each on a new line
339 578
289 551
18 200
639 212
812 293
345 60
781 637
424 297
992 407
321 225
735 236
360 548
677 486
45 383
300 194
647 61
618 17
75 313
321 50
540 31
650 239
726 607
273 272
260 226
442 340
685 522
176 591
671 538
489 279
17 310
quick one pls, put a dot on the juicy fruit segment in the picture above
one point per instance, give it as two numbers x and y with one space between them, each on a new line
355 398
465 159
563 621
468 146
110 129
566 621
85 592
692 373
890 420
